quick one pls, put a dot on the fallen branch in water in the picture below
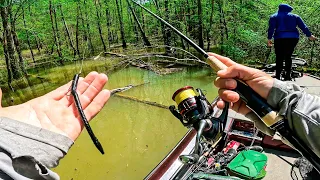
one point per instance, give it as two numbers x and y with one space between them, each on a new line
173 63
165 66
117 90
126 88
115 54
110 53
172 48
142 101
177 59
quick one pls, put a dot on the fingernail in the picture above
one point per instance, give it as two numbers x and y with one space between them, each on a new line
230 84
231 97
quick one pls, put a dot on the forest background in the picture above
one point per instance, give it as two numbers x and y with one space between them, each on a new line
39 33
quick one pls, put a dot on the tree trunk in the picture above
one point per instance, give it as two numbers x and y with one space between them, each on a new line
144 37
174 36
85 36
143 23
55 36
108 22
108 27
163 29
28 38
200 29
224 22
167 32
12 64
225 25
221 27
67 31
39 44
16 41
210 25
56 26
124 44
99 27
6 56
136 33
184 12
189 17
36 37
77 29
88 29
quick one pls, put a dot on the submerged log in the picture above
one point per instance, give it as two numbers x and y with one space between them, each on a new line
142 101
117 90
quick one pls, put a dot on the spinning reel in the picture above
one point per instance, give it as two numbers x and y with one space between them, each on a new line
196 111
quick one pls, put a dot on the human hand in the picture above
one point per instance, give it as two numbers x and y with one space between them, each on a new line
56 110
269 43
312 38
259 81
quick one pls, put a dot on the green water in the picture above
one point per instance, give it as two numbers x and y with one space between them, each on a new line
135 136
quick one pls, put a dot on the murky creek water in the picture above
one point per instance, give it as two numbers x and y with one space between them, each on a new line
135 136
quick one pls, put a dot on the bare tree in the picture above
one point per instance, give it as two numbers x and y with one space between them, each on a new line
67 31
54 31
27 34
144 37
99 25
124 44
200 29
88 29
13 67
210 25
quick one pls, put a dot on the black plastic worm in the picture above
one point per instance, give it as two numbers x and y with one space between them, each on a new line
82 115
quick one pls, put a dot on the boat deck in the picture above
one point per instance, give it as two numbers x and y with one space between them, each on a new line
279 162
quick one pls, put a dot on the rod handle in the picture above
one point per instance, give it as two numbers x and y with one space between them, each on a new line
251 98
215 64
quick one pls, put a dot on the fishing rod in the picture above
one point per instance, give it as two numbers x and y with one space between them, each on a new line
253 101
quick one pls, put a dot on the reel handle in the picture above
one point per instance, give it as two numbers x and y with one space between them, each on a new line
175 112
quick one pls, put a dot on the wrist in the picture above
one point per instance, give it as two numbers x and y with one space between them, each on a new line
43 145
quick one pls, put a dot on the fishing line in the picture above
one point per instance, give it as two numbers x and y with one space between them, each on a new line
83 54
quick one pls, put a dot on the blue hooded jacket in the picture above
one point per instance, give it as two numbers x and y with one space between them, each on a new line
283 24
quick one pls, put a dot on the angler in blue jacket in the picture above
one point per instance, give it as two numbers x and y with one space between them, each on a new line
283 28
